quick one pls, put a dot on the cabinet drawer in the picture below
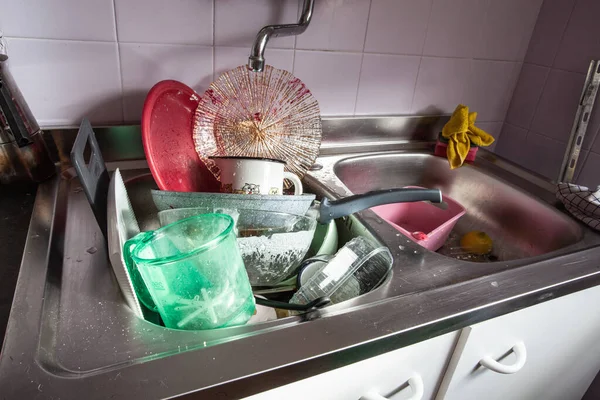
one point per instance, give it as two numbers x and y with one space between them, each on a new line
548 351
385 375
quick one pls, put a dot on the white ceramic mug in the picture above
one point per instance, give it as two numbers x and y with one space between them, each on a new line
254 175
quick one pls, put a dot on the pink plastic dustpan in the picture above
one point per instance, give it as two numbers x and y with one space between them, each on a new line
167 136
423 222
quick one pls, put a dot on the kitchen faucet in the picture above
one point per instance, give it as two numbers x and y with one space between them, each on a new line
256 61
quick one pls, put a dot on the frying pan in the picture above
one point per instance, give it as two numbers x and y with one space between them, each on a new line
166 200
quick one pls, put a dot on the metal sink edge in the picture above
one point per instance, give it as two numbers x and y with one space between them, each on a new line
397 314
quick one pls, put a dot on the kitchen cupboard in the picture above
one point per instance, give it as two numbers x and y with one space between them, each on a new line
548 351
385 375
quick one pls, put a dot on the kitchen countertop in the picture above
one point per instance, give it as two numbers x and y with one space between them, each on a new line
71 332
16 204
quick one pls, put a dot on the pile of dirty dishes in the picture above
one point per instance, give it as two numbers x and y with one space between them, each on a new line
196 271
223 161
199 269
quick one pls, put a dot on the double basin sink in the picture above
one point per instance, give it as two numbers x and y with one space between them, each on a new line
71 330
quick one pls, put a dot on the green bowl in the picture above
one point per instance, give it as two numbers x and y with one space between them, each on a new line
325 241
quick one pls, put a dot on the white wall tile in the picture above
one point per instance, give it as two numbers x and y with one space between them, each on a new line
590 136
159 21
143 65
589 175
549 29
527 95
64 81
172 39
336 25
238 21
494 129
580 42
556 110
397 26
513 145
446 36
58 19
580 163
228 58
593 128
441 85
506 29
596 145
332 78
546 155
490 87
387 84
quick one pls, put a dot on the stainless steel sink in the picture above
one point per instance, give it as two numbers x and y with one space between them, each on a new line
515 207
520 225
82 295
70 331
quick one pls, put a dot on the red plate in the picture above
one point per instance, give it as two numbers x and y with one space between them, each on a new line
167 124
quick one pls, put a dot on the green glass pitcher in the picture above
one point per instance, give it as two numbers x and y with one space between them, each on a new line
192 273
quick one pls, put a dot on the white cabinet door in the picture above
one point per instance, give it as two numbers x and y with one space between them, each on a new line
548 351
385 375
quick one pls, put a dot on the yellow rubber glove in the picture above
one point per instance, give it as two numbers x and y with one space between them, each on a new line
460 132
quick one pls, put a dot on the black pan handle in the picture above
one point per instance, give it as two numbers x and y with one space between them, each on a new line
313 305
349 205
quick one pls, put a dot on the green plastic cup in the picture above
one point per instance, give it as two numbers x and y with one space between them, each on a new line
192 273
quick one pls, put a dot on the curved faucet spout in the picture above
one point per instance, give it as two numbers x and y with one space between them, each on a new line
256 61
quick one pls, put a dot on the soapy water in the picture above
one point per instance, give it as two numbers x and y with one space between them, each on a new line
270 259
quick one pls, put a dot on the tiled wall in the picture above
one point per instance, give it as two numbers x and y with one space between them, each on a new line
541 113
98 58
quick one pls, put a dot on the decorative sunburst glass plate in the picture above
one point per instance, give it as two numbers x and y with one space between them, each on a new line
269 114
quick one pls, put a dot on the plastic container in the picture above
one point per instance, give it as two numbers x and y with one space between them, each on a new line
194 272
425 223
356 269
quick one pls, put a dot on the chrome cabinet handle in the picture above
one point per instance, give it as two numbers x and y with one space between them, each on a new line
415 383
520 352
